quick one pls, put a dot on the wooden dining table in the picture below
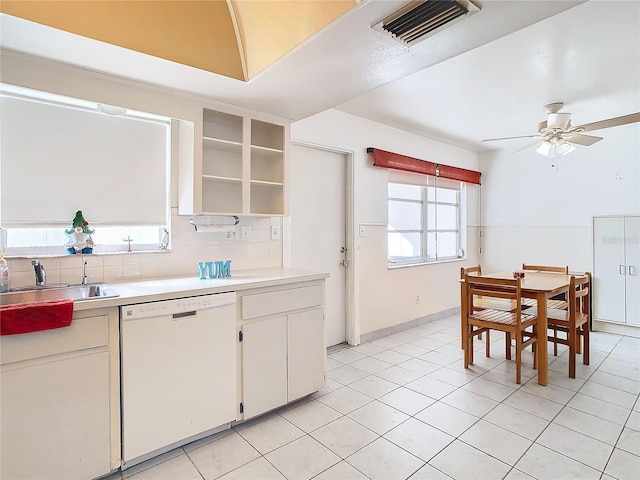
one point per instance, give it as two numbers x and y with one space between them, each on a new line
540 286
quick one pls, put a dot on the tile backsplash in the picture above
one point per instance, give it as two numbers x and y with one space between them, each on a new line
188 247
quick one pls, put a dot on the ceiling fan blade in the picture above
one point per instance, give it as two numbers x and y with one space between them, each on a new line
512 138
610 122
528 145
585 140
558 121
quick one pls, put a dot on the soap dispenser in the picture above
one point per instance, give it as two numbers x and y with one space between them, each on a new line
4 275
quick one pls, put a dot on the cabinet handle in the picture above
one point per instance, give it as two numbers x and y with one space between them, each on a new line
632 270
177 316
621 270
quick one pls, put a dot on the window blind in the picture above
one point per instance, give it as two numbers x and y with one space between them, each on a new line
57 159
384 159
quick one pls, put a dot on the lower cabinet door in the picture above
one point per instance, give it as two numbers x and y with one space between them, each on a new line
55 419
264 365
306 353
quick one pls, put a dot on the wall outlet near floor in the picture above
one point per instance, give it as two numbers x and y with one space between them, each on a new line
275 232
245 233
417 298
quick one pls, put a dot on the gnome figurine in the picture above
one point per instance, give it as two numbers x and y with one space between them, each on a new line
79 235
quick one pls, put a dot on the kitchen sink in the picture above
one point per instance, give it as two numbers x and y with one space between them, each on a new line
77 293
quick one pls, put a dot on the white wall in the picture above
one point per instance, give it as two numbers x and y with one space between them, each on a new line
188 247
385 297
535 214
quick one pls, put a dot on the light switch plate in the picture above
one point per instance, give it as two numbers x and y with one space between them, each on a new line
362 230
245 233
275 232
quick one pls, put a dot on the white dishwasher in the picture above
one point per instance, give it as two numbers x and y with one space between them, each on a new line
178 372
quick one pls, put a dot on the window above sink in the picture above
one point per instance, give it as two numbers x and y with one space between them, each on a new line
35 241
63 154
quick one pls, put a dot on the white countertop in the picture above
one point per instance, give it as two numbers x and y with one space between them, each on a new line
178 287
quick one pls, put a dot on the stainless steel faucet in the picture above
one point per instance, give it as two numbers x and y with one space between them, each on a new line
84 271
41 274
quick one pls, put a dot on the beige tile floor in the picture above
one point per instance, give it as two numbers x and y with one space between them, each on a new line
404 407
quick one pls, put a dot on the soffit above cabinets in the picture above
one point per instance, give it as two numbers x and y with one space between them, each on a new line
234 38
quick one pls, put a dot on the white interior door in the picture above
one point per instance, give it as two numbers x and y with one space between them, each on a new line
318 227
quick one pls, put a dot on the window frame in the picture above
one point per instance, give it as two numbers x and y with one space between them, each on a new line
424 258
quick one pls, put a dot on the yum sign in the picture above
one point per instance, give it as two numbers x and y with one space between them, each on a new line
219 269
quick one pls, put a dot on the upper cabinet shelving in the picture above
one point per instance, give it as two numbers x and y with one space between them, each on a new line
241 170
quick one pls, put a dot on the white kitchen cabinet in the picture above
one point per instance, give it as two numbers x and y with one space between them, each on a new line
306 355
264 365
282 346
616 281
60 400
241 169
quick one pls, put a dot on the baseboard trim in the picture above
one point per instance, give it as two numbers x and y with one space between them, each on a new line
618 328
384 332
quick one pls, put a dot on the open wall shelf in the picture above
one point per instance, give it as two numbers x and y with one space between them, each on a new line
242 167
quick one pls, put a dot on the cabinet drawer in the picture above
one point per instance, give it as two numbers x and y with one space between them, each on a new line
262 304
83 333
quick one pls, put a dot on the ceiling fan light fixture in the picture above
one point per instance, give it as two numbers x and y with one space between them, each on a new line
563 147
555 146
545 149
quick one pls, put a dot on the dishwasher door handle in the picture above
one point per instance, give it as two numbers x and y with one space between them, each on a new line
177 316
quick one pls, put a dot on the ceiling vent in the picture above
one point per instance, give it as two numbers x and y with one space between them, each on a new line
423 18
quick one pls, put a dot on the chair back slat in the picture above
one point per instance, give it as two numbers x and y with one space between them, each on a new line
477 269
579 295
487 287
547 268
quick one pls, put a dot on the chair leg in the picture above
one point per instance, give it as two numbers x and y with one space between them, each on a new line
555 341
585 353
518 357
534 345
487 346
507 345
467 341
579 340
468 346
573 339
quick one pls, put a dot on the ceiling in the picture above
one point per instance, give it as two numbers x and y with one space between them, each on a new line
234 38
486 76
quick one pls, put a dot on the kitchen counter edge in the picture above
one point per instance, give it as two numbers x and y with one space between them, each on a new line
153 290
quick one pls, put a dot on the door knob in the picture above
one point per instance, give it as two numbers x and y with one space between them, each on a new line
344 263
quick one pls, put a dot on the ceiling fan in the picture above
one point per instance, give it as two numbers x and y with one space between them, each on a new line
557 136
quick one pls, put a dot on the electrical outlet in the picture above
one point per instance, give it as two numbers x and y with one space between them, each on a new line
275 232
232 234
245 233
417 298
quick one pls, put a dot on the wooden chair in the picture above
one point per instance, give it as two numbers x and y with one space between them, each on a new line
481 303
512 323
476 269
573 322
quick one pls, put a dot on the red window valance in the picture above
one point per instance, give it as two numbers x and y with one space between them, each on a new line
382 158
